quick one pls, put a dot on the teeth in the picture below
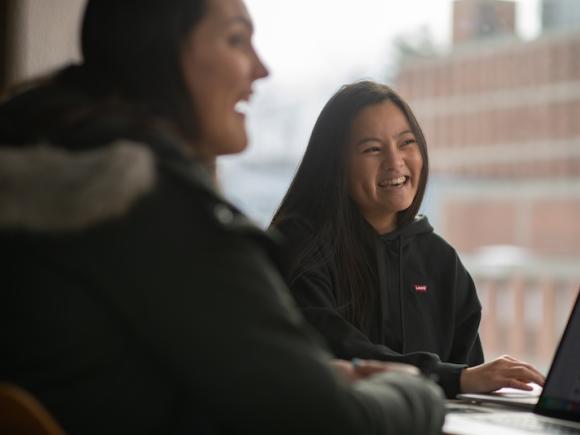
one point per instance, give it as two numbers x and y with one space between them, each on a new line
394 181
242 107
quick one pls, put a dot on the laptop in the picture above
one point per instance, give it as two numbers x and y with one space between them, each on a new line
507 397
558 408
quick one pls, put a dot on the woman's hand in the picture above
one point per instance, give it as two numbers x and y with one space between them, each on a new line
504 371
358 369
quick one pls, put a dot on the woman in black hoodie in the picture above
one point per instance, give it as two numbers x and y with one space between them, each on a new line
366 270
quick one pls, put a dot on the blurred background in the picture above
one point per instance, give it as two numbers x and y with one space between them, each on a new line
495 85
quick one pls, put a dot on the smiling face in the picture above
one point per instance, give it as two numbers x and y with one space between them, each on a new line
384 164
220 65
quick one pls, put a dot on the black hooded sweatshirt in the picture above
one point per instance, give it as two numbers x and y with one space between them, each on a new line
426 313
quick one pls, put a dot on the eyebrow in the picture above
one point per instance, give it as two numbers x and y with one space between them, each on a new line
241 19
405 132
364 140
376 139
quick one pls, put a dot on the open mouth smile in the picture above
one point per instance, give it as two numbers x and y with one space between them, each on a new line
394 182
242 107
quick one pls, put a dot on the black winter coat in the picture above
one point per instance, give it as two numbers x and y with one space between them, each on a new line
426 313
135 300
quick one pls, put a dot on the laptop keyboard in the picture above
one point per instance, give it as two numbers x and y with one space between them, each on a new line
528 423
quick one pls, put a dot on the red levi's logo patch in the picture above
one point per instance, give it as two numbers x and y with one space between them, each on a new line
420 288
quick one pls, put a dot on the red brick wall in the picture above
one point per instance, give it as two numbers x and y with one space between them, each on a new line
468 224
546 227
506 65
555 227
463 103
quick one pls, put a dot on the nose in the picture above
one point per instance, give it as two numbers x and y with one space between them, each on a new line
393 157
260 70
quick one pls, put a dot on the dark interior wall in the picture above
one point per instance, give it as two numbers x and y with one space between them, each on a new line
8 10
3 43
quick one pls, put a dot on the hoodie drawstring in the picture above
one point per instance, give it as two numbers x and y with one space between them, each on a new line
382 280
401 295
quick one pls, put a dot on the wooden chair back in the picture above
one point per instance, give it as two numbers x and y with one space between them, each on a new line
22 414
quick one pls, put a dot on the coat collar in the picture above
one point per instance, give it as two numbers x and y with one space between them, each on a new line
48 189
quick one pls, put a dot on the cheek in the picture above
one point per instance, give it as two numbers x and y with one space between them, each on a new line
201 75
195 83
356 175
361 182
354 181
417 164
208 104
225 71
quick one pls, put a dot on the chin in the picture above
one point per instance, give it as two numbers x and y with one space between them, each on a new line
228 145
235 147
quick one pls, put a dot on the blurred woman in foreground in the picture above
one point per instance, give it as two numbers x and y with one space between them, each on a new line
135 299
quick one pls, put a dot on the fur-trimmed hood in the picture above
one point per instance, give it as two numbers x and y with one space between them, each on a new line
45 188
69 161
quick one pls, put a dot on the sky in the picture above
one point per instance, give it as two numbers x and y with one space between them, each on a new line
306 39
312 47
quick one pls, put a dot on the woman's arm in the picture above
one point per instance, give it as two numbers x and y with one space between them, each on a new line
466 342
219 318
504 371
313 294
313 290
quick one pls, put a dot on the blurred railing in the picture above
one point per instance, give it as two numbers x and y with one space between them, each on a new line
526 304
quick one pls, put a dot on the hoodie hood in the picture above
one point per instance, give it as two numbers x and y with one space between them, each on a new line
420 225
45 188
68 163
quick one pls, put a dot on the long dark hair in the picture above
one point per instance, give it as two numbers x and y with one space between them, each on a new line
131 67
319 195
132 48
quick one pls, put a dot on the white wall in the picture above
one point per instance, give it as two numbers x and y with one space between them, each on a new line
43 34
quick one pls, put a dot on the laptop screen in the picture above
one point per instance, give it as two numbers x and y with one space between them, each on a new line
561 395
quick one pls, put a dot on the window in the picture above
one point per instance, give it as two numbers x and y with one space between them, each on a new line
496 86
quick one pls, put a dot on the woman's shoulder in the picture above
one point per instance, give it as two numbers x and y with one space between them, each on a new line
293 227
299 235
431 240
302 244
48 188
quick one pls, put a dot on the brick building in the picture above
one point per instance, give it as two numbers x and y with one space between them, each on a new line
502 120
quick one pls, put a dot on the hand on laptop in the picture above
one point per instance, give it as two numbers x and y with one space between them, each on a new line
358 369
504 371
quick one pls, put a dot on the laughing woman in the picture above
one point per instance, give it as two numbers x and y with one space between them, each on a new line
367 271
134 298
